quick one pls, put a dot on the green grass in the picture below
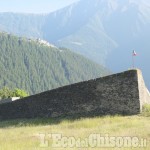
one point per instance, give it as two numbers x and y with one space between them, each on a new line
146 110
24 134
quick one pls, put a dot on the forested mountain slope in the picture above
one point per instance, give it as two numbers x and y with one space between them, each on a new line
36 67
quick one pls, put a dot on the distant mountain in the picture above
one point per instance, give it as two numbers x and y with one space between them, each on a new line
105 31
21 24
128 25
36 65
73 27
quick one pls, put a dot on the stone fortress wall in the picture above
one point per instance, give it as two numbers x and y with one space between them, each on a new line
123 93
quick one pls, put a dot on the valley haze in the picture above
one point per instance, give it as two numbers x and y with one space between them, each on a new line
105 31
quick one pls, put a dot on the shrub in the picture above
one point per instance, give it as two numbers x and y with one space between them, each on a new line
7 93
146 110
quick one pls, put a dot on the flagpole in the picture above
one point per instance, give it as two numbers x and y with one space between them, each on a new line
133 61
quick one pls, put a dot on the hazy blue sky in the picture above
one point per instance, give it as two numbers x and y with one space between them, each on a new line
32 6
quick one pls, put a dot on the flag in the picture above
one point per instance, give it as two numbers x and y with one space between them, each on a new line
134 53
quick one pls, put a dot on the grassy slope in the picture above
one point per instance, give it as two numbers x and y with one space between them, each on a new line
23 134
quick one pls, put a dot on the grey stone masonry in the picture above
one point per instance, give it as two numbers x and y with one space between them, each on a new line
144 94
123 93
8 100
